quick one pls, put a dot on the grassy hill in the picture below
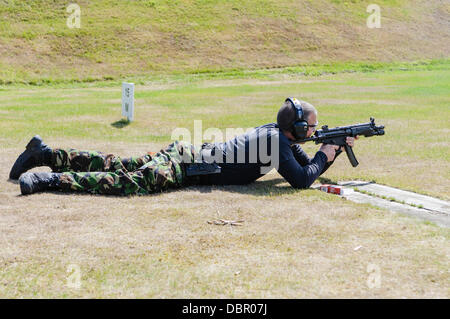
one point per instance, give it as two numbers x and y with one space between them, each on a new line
122 37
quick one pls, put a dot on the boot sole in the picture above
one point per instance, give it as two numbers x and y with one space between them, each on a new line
34 144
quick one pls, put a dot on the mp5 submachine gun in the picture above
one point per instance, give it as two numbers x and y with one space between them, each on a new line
337 136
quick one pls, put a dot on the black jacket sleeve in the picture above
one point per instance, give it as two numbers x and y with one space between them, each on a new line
302 176
303 158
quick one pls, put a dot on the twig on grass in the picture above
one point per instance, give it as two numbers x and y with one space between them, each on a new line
223 222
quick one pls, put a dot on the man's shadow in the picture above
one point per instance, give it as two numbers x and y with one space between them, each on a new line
259 188
256 188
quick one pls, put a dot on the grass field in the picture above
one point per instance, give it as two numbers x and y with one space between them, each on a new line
293 243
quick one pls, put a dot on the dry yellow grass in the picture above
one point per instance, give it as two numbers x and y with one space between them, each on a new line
293 244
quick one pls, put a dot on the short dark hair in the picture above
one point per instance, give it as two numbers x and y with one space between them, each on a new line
286 114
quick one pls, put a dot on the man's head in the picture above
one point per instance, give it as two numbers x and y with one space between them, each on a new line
286 118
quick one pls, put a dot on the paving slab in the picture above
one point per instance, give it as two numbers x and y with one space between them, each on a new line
431 209
426 202
438 218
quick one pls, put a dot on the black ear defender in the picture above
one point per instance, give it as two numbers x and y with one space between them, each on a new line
300 126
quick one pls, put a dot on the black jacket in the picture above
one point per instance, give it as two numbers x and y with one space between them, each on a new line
249 156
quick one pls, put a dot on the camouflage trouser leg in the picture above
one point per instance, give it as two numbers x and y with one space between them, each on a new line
92 161
165 170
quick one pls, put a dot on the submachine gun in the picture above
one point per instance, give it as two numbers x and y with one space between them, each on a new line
337 136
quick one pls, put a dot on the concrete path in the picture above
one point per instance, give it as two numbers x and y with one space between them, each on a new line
427 202
426 207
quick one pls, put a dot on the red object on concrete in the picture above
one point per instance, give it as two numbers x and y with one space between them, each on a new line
338 190
332 189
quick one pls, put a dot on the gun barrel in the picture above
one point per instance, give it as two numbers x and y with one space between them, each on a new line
366 129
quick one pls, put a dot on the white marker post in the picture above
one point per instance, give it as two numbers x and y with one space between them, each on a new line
128 100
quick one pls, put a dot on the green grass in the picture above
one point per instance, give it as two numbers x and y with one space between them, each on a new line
311 69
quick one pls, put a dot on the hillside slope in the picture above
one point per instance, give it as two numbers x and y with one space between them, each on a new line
124 37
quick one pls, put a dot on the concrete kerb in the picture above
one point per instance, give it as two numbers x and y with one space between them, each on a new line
397 200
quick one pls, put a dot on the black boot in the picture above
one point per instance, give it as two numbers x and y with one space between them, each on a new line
38 182
36 154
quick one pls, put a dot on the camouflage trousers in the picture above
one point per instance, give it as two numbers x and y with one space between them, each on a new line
99 173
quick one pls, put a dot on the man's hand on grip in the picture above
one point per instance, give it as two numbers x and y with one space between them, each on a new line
329 150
